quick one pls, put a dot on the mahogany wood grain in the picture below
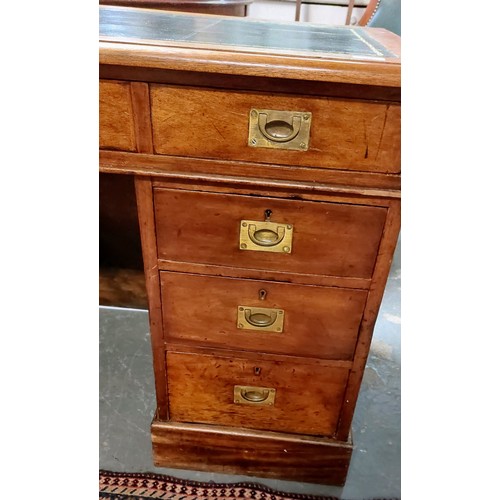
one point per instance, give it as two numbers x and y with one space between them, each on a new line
197 178
341 181
276 275
380 275
328 238
319 322
273 189
201 390
263 83
255 453
116 122
204 350
253 65
144 193
142 116
347 135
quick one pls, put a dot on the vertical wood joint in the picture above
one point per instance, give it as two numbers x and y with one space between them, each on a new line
142 116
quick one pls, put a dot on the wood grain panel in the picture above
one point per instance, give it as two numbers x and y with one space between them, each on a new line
261 356
319 321
344 181
237 272
347 135
201 60
308 401
380 275
263 83
116 119
256 453
328 239
142 116
144 194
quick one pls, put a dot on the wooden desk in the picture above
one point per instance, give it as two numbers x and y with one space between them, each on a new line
266 159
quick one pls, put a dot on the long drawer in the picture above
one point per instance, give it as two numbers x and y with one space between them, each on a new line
261 316
240 392
319 238
326 133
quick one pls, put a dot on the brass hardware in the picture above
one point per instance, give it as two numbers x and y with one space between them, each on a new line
279 129
258 396
266 236
262 294
260 318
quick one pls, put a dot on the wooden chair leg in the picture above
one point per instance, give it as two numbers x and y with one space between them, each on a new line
298 4
349 12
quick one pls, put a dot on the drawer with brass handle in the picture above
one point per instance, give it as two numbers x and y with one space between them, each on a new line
293 236
282 129
242 391
261 316
267 181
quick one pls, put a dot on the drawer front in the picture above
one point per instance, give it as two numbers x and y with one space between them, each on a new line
247 314
116 119
328 238
286 397
344 134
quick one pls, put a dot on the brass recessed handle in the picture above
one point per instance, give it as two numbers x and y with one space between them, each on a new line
266 237
260 319
279 130
276 129
257 396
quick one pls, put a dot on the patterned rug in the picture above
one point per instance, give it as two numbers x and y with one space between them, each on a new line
135 486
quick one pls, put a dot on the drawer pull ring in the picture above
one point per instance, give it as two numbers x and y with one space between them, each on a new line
260 319
257 396
266 237
279 130
276 129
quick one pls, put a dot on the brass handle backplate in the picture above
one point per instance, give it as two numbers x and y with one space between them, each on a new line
262 319
256 396
269 128
266 236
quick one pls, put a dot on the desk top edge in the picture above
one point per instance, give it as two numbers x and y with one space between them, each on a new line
201 42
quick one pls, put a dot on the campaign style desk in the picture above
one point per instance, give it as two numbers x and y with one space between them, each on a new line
266 159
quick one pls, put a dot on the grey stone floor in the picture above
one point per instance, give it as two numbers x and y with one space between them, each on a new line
127 404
